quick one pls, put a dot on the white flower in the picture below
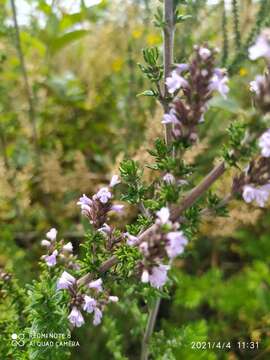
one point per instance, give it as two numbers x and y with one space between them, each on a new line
158 275
145 276
51 235
75 317
45 243
131 240
204 53
65 281
51 259
163 214
248 193
96 284
176 243
255 84
103 195
89 304
115 180
261 48
169 178
113 298
175 82
105 229
264 143
68 247
97 316
219 82
144 248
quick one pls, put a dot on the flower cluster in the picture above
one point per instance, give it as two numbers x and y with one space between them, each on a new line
261 48
97 208
92 303
192 86
57 250
165 241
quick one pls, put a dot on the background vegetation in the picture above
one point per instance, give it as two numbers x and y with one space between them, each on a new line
69 113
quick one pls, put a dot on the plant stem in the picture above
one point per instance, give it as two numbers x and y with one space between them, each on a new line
168 44
31 107
149 329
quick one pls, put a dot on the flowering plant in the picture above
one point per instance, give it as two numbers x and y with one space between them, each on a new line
169 208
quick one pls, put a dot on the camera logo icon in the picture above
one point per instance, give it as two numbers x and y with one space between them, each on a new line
17 340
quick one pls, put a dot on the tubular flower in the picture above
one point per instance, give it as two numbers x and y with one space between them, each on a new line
75 317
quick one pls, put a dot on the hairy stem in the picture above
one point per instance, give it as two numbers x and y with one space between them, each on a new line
149 329
31 107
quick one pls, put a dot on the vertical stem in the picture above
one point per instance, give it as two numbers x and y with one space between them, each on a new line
149 329
168 59
237 37
168 42
225 35
31 108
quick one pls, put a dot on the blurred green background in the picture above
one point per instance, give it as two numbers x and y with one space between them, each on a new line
69 113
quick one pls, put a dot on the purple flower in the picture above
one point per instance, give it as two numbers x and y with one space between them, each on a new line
261 48
105 229
256 84
219 83
103 195
175 82
84 200
163 214
264 143
51 235
176 243
89 304
65 281
204 53
97 285
144 248
260 195
51 259
181 67
117 208
169 178
169 118
68 247
75 317
131 240
115 180
158 275
97 316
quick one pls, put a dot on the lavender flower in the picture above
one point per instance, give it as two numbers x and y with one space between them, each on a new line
219 82
256 84
169 118
75 317
45 243
260 194
65 281
89 304
117 208
84 200
131 240
105 229
261 48
51 235
169 178
175 82
163 215
97 316
51 259
204 53
176 243
115 180
103 195
158 275
97 285
264 144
